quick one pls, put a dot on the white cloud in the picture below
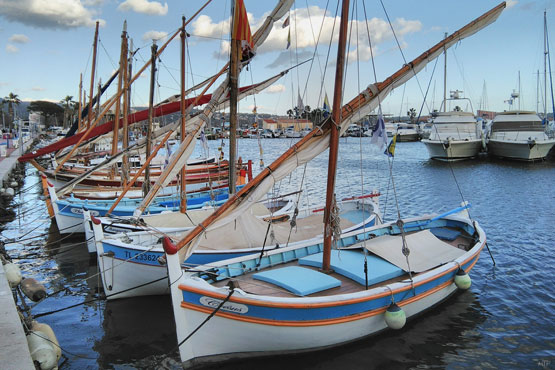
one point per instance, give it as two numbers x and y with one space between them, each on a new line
154 35
144 6
38 88
51 14
225 49
19 38
511 3
274 89
305 30
12 49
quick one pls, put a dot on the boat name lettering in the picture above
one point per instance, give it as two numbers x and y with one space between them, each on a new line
79 211
228 306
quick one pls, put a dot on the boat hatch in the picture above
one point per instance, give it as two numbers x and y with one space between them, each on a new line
426 250
351 265
298 280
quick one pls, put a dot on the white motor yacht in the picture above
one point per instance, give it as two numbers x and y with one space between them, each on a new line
519 135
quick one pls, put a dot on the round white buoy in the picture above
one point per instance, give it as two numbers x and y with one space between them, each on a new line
395 317
42 351
462 280
13 274
14 184
46 329
9 192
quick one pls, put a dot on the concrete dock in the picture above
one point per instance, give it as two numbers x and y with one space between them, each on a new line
14 351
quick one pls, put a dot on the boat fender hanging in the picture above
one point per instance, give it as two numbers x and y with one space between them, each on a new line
34 290
46 329
13 274
462 280
42 351
395 317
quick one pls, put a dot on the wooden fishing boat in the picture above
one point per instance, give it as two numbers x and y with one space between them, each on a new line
326 291
129 261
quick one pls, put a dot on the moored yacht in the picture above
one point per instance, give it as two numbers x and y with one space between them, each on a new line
454 135
519 135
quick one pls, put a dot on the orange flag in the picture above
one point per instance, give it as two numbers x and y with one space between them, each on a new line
241 28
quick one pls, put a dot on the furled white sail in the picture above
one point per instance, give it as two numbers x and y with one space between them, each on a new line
318 140
185 149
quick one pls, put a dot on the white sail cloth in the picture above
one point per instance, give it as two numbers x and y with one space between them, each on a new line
363 104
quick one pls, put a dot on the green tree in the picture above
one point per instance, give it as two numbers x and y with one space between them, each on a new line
457 109
67 104
12 99
47 108
290 113
412 114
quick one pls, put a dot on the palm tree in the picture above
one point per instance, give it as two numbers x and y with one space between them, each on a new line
67 104
12 99
412 114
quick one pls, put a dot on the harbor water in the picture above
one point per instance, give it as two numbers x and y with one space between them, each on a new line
504 321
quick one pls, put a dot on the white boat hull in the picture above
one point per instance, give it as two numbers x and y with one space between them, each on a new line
520 150
453 149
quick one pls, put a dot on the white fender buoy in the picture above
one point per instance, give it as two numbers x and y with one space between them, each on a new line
42 351
395 317
14 184
9 192
46 329
462 280
13 274
34 290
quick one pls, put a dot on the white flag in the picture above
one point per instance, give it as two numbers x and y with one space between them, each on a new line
379 135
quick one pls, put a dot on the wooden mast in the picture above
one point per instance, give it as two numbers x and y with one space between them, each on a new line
115 136
233 88
126 96
334 135
183 177
91 90
146 183
80 102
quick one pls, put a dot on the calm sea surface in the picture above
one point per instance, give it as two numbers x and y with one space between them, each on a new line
506 320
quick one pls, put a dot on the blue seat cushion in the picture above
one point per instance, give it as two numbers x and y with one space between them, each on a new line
351 265
445 234
298 280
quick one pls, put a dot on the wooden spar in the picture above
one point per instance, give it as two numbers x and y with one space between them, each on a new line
334 135
183 187
347 111
146 183
98 106
118 95
91 90
115 136
80 102
125 123
233 89
140 171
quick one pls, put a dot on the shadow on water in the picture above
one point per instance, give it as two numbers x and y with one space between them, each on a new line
428 340
132 325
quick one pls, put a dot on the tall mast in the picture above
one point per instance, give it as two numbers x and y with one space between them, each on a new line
445 77
115 136
125 134
91 90
334 134
146 184
233 87
183 197
545 65
80 102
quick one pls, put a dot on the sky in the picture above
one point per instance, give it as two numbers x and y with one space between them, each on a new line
46 44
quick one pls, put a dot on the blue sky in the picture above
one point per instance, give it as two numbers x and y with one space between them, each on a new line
46 44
